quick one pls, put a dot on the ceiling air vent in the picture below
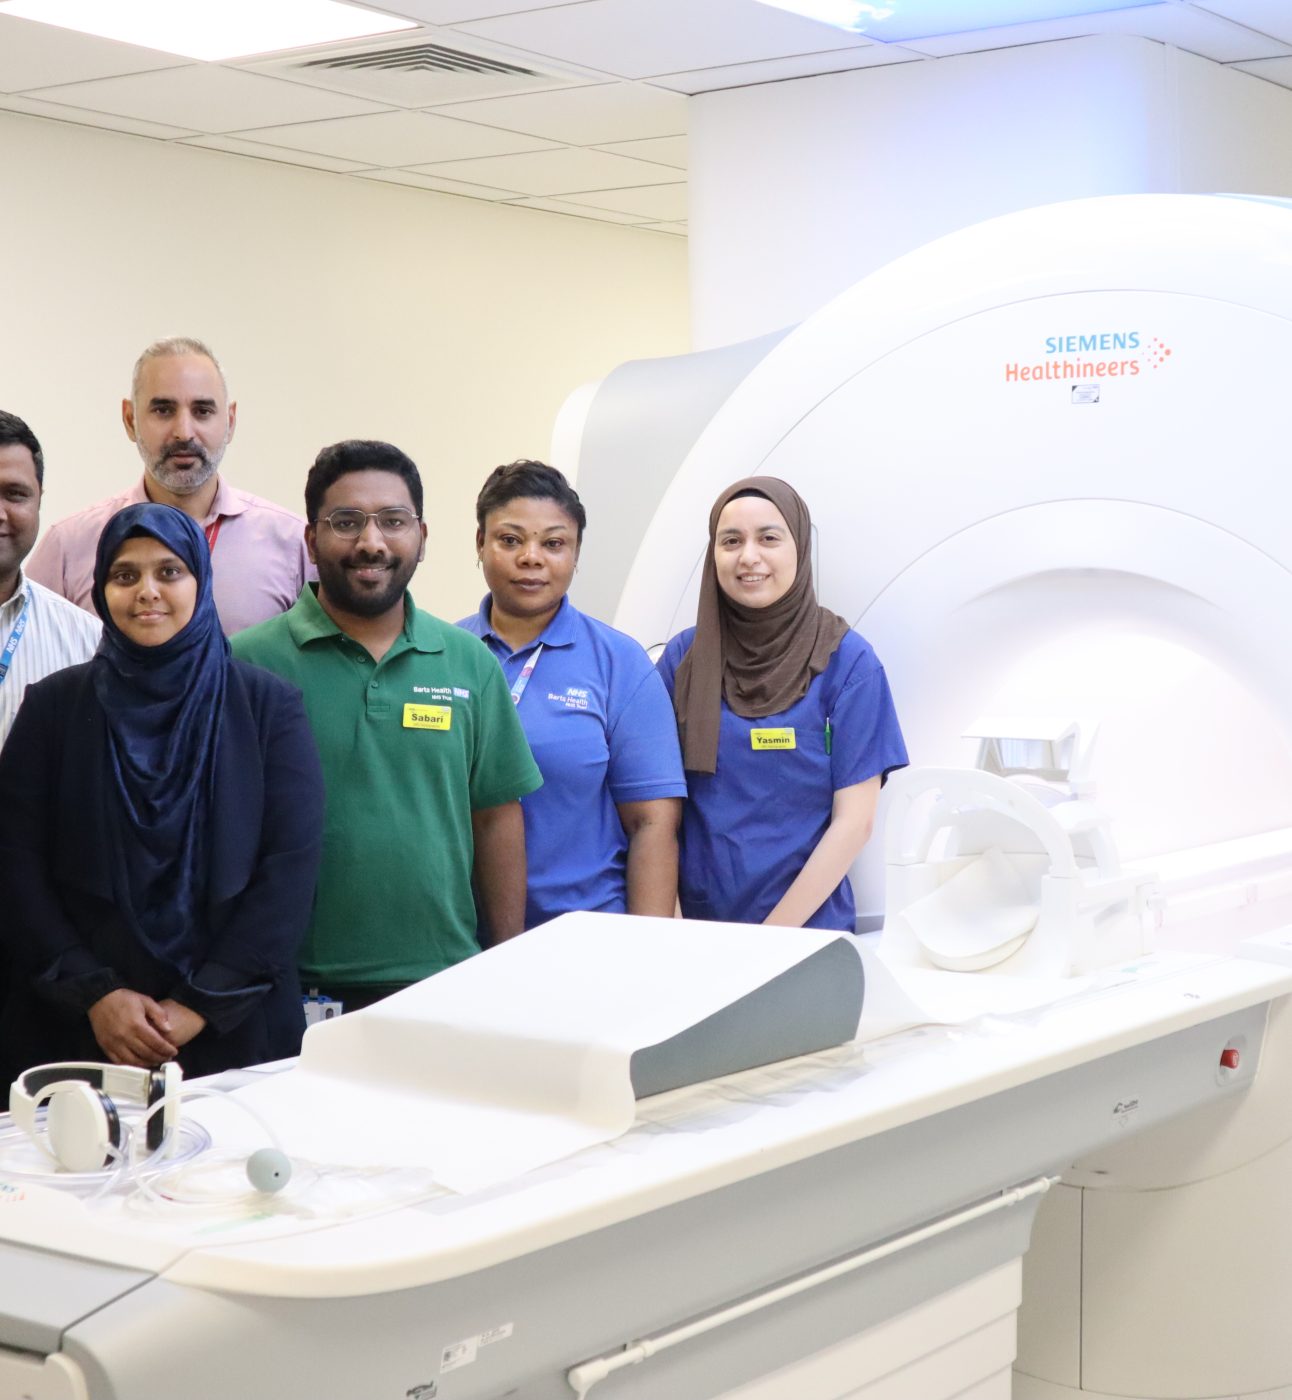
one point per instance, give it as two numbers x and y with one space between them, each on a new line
419 58
415 71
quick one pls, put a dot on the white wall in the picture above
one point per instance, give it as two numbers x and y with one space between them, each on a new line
340 308
799 189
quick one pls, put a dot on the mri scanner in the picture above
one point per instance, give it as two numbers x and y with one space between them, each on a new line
1047 459
1047 462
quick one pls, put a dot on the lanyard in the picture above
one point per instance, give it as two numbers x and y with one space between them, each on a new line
212 532
11 646
522 680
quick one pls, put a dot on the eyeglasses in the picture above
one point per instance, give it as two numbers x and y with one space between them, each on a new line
349 524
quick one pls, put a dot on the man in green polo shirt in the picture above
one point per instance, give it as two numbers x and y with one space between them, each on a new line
424 759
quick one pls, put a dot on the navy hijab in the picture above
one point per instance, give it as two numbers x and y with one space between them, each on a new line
163 707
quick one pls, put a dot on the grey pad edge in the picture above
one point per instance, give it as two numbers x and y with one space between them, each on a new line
811 1006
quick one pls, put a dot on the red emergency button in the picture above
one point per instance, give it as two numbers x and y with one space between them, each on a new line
1229 1058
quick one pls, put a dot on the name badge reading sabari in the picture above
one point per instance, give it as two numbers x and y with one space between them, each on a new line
772 739
428 717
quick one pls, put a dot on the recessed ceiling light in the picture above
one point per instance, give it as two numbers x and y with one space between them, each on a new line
893 21
211 29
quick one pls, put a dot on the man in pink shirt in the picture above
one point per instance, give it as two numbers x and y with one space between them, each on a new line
181 419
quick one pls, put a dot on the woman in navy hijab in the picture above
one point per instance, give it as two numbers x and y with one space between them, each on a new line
161 816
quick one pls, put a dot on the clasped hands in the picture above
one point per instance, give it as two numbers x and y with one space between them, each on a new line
133 1029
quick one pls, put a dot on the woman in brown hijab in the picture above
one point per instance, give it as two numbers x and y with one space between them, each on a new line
786 721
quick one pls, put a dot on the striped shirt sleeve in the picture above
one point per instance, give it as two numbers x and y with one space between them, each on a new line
57 634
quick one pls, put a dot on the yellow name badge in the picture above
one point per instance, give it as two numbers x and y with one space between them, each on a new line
428 717
771 739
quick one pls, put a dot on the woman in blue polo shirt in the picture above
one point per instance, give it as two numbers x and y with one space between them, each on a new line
787 725
601 833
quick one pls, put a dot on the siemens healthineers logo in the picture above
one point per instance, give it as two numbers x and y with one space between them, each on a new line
1094 355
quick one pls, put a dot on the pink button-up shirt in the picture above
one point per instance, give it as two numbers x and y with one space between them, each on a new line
259 563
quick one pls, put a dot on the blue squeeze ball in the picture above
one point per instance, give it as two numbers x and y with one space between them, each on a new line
269 1170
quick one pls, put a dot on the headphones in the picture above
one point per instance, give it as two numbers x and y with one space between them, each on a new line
82 1127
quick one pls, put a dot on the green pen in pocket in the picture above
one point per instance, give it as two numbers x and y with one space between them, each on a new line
827 735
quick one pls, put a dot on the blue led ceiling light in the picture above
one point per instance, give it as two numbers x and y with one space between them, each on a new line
895 21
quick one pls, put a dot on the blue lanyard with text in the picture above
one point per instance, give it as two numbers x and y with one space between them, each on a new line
522 680
11 646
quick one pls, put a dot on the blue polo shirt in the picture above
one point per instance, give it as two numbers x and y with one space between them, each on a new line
602 731
749 828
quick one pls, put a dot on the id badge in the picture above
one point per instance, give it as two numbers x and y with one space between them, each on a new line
772 739
319 1008
428 717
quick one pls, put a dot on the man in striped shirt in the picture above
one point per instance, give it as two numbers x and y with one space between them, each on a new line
39 631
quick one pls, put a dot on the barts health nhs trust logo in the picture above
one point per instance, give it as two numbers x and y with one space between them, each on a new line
1093 355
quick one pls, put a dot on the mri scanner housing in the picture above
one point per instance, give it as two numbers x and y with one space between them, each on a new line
1047 453
1048 463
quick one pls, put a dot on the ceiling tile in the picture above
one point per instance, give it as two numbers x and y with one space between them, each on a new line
568 170
451 11
659 203
1272 17
38 55
576 211
56 111
775 70
1181 25
1008 36
439 184
636 40
1187 27
1273 70
583 116
663 150
207 97
397 138
235 145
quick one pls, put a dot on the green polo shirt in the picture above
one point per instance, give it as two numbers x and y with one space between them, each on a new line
411 746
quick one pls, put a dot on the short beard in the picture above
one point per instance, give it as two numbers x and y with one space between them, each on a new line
183 481
336 584
369 604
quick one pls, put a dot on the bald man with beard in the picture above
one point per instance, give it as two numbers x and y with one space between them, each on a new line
181 420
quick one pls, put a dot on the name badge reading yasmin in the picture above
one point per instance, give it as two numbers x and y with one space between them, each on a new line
428 717
771 739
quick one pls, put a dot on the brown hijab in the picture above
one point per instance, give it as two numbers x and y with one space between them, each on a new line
761 660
